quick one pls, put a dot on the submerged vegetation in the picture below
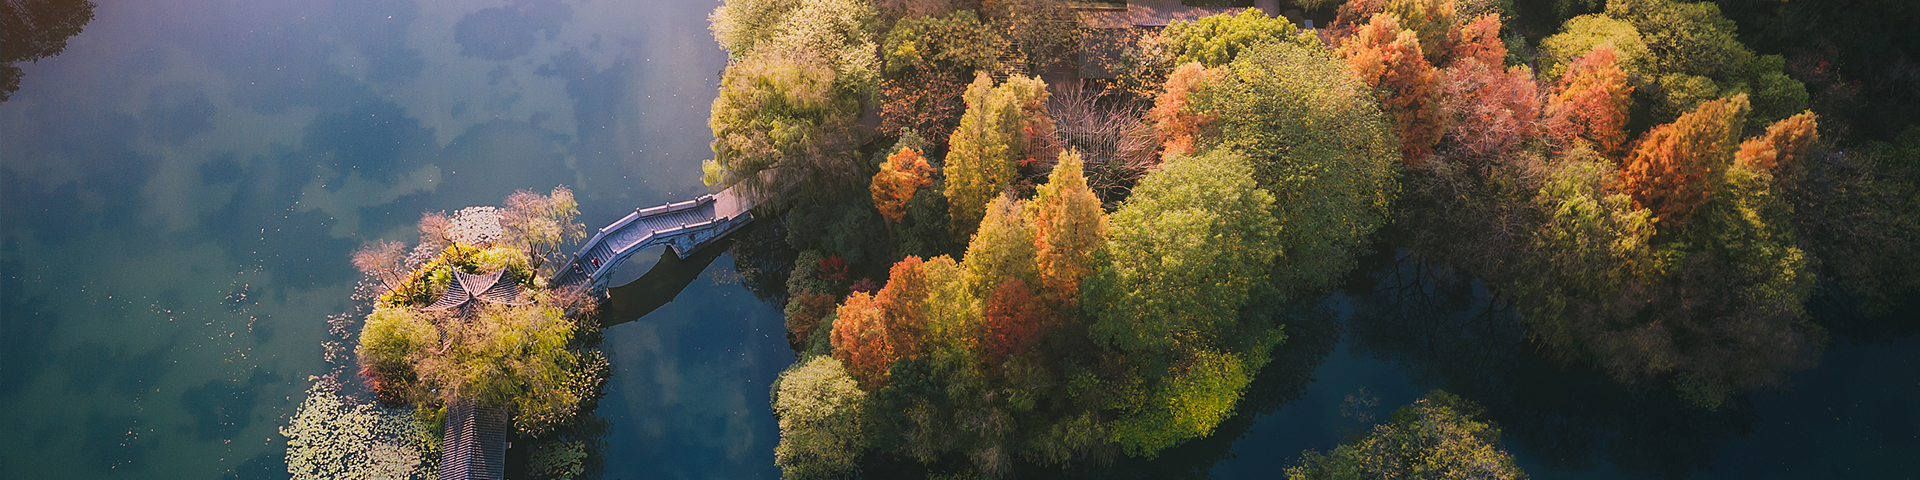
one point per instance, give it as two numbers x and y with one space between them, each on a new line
1045 271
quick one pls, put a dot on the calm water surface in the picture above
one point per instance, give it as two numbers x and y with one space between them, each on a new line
182 187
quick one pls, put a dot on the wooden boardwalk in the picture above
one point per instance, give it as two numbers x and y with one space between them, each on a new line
474 445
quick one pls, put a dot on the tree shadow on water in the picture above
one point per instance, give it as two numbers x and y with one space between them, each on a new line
1449 332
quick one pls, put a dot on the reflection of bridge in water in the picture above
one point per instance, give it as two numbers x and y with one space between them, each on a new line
474 443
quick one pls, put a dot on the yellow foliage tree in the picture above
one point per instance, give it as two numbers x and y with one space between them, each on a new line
1003 126
1069 227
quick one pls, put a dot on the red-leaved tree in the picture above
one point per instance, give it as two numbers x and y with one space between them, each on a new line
1389 59
1673 168
1015 320
1490 112
804 313
1351 16
874 331
929 105
862 342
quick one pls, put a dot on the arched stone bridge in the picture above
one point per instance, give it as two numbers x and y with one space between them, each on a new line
686 227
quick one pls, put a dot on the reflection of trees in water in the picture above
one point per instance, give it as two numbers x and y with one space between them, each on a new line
1312 332
34 29
763 258
1448 332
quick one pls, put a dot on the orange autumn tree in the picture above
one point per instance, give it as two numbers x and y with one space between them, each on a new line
1479 39
1785 141
1179 124
1351 16
904 173
1674 167
1389 59
874 331
1591 101
1069 226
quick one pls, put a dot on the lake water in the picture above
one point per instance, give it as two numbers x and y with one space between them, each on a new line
182 186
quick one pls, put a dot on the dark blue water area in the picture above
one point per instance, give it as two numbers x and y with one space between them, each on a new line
689 397
1852 417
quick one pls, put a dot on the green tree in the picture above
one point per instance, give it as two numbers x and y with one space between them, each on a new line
1434 22
1591 247
1584 33
1687 49
1184 252
1192 397
1215 40
820 412
1317 141
839 32
1005 124
1002 249
1440 436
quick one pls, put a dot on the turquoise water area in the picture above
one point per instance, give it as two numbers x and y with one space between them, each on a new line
180 189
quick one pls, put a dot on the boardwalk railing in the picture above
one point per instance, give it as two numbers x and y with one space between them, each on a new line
684 226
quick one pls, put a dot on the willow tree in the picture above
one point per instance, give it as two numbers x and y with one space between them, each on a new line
780 123
791 95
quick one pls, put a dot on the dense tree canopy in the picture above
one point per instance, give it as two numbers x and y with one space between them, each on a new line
1390 59
1676 166
820 409
929 60
1213 41
1317 141
1591 101
1607 197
